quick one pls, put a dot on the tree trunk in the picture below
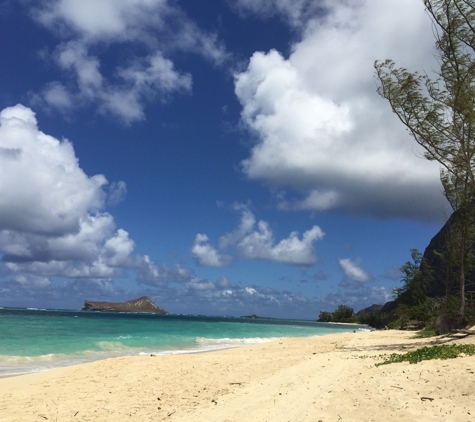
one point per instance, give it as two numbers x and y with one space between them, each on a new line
462 290
462 266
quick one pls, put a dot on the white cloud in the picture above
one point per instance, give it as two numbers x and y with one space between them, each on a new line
57 96
33 282
200 285
316 200
246 225
142 80
153 27
51 218
293 251
223 283
322 129
117 192
156 274
43 189
253 242
206 255
352 271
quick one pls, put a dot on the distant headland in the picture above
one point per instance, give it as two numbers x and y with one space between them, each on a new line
142 304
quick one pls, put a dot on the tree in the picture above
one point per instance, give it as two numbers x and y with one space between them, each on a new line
440 113
459 255
343 314
449 257
415 280
325 316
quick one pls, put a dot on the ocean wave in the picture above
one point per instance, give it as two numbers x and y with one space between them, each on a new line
21 359
234 341
17 365
204 344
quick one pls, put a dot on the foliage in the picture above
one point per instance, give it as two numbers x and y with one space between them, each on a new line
325 316
458 256
423 312
428 331
415 281
343 314
440 115
378 321
427 353
346 314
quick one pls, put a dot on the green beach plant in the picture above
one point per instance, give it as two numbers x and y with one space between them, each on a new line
444 351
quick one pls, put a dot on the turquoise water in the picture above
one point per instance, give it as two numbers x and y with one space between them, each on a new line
36 340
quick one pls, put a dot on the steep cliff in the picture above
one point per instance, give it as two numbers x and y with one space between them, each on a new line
438 268
142 304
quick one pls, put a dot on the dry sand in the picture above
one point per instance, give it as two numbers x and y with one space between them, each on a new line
329 378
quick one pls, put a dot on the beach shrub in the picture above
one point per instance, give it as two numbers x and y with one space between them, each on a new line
378 321
446 351
346 314
325 316
426 332
343 314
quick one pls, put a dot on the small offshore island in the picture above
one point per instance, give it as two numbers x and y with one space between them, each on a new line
142 305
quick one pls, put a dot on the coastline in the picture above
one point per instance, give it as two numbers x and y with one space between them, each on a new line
328 378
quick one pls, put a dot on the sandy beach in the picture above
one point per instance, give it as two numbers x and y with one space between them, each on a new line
328 378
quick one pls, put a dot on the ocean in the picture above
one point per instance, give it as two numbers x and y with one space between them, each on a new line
33 340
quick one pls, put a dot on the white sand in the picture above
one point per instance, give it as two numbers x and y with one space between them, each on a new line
329 378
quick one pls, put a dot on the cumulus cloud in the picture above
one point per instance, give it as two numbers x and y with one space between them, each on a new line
352 271
117 192
153 27
52 221
253 241
161 275
43 189
322 131
294 251
32 282
206 255
245 226
53 225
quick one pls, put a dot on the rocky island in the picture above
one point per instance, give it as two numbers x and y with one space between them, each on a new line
142 304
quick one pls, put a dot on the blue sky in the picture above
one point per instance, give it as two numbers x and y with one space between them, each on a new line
221 157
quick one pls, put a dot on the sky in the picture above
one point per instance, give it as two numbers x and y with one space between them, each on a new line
223 157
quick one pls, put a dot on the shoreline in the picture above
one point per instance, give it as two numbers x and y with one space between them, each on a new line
63 361
328 378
